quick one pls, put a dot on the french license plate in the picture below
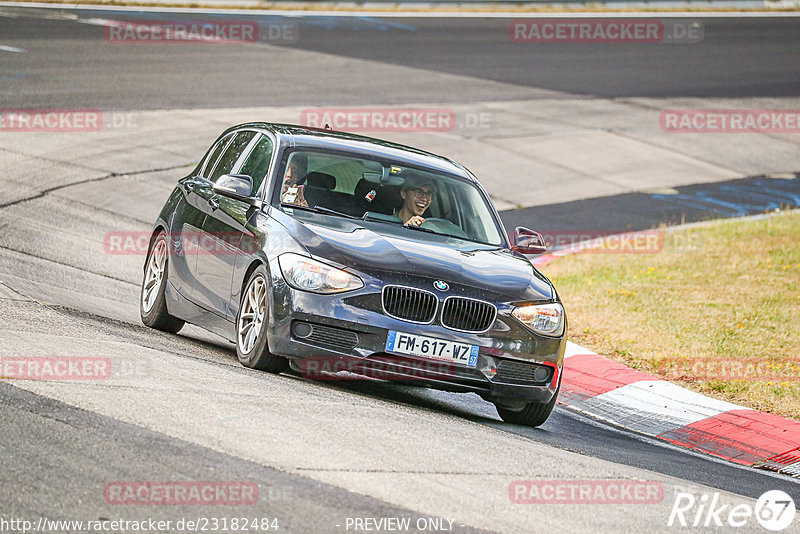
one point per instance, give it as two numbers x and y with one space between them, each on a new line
429 347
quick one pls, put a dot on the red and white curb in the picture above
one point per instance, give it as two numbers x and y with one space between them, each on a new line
613 392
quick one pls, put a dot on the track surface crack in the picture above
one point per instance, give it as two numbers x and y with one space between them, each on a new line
49 190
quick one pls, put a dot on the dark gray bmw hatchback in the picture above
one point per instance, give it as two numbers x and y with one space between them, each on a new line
339 256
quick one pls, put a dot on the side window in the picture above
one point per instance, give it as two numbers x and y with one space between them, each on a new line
257 163
214 156
231 155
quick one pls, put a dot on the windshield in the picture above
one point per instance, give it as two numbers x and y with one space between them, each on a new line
347 185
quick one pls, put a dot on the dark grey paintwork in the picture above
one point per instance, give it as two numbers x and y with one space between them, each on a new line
205 288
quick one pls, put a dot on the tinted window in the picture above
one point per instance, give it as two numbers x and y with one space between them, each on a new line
257 163
231 154
389 192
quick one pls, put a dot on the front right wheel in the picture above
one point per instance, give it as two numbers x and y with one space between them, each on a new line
531 414
251 326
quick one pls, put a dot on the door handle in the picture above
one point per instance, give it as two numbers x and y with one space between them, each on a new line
214 203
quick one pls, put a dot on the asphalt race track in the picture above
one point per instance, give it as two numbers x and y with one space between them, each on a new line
181 408
736 58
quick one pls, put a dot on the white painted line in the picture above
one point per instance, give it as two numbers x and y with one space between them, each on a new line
12 49
654 407
792 469
93 21
574 349
413 14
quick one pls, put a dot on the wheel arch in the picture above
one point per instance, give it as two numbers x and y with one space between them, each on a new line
262 360
157 229
239 285
250 268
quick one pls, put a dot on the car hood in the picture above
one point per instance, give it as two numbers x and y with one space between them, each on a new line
510 276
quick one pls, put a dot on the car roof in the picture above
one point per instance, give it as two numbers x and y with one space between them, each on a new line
301 136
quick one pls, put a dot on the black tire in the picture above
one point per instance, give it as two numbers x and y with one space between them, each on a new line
254 353
153 304
532 414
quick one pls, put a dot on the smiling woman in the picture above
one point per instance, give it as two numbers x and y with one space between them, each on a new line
321 250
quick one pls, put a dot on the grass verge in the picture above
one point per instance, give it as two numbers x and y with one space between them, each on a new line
717 310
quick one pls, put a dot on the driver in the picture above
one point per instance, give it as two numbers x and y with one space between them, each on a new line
417 194
291 192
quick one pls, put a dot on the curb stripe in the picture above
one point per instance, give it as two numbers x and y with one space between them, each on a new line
573 349
743 436
622 396
655 406
787 463
589 375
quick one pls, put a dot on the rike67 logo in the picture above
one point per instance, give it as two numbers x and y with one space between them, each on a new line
774 510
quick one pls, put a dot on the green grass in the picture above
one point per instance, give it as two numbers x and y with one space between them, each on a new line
699 314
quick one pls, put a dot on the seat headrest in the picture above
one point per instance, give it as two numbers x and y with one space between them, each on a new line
377 197
321 180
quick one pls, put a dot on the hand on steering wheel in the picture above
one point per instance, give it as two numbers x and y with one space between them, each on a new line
416 220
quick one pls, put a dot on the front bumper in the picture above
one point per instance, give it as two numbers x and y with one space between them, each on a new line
346 334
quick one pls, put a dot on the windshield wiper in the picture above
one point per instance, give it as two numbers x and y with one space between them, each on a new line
319 209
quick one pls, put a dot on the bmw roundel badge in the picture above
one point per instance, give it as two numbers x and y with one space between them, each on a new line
441 285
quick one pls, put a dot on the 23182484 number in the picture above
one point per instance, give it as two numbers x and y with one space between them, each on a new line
238 524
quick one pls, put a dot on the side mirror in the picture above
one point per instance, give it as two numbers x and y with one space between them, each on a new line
527 241
238 186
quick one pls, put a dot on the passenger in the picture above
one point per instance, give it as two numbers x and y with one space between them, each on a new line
417 193
291 192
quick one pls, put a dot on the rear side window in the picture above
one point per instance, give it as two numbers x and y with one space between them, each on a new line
257 164
231 155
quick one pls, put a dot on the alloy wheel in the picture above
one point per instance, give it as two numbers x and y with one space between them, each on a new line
252 314
154 275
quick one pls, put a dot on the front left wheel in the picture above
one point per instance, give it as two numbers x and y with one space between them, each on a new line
152 300
251 326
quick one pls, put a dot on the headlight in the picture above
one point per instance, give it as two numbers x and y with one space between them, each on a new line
301 272
547 319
